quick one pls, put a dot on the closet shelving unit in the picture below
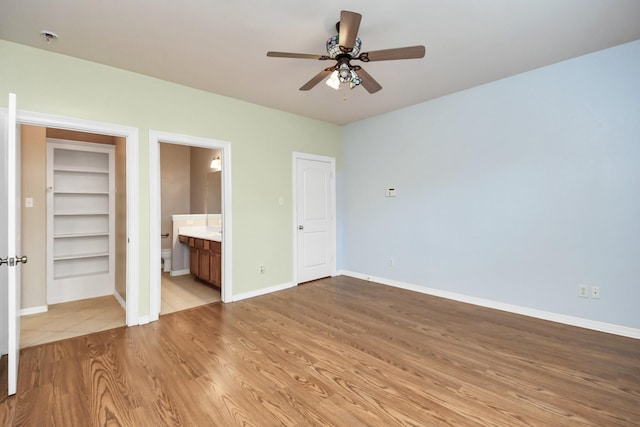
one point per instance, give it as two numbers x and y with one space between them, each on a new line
81 220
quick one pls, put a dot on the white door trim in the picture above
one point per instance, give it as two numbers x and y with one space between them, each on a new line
133 217
306 156
155 138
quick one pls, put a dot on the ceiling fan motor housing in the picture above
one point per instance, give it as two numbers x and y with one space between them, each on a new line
334 49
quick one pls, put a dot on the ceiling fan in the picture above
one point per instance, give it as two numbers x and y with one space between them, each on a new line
344 48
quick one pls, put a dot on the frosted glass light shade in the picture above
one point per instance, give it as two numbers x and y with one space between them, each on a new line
216 164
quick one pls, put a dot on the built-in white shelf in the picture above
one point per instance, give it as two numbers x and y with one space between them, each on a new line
80 169
80 213
80 256
81 221
80 193
67 236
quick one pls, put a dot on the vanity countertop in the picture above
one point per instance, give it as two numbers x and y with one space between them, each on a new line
201 232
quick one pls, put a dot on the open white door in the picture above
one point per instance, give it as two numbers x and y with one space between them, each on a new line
11 260
315 215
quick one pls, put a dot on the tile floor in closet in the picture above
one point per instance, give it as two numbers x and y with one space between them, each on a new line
83 317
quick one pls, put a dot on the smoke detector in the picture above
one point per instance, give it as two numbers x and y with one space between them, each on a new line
49 35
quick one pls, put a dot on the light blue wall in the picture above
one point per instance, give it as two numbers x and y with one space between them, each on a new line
515 191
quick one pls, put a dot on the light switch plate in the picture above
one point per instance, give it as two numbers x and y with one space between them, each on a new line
28 202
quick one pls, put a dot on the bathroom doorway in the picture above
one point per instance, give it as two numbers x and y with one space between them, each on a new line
156 140
190 201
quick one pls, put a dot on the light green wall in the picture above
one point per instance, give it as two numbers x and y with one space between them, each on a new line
262 141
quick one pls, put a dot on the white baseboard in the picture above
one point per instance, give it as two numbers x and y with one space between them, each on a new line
121 300
34 310
263 291
610 328
80 293
179 272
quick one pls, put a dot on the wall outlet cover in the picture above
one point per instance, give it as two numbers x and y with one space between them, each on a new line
583 291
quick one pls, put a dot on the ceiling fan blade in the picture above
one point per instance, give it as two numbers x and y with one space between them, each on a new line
297 55
369 83
349 25
316 79
409 52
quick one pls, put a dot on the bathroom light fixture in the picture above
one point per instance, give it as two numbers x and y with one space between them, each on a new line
216 164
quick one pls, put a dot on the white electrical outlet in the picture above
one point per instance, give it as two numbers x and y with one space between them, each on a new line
392 262
262 269
595 292
583 291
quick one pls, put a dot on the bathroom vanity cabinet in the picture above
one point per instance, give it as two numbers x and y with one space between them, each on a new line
205 259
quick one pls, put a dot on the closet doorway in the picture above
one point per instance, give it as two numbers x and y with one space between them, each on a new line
82 289
60 322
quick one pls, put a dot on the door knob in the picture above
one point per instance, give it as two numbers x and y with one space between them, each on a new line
301 227
13 261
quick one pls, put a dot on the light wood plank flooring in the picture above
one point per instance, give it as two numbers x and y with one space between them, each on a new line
340 352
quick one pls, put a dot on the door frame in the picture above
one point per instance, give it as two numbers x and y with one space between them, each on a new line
155 281
319 158
133 217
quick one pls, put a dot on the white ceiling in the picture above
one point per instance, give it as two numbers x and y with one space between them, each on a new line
220 46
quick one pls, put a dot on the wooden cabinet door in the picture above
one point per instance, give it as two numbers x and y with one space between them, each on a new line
215 275
205 258
194 261
204 273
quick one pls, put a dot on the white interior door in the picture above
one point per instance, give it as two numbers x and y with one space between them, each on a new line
10 271
4 249
315 214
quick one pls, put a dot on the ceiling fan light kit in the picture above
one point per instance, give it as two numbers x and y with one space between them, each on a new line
345 47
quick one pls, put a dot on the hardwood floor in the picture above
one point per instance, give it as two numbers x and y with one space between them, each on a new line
335 352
